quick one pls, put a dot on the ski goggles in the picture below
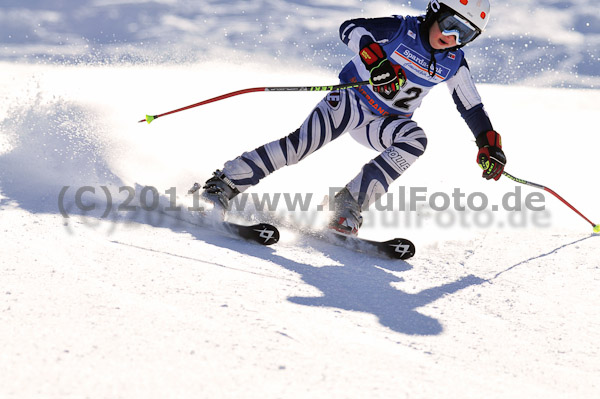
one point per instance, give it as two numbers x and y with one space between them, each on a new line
455 25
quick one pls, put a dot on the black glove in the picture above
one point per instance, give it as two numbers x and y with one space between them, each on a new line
385 78
490 157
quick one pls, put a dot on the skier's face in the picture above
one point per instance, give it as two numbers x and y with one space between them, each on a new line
438 40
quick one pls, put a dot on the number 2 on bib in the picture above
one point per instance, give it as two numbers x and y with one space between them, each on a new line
413 94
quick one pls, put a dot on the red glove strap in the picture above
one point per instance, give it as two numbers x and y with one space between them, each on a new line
372 55
490 138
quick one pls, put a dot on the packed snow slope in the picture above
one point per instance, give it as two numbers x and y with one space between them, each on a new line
123 299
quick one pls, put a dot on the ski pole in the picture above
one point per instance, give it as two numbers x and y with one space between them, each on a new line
528 183
150 118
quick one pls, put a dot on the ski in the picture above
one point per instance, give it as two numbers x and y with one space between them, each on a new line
261 233
396 248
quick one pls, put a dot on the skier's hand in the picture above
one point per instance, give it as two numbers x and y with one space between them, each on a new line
385 77
490 157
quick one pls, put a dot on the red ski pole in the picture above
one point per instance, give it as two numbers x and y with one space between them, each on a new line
528 183
150 118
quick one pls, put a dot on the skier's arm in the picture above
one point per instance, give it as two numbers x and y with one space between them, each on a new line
467 100
362 36
490 157
361 32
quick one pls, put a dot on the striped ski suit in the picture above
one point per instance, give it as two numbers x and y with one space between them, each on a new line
384 125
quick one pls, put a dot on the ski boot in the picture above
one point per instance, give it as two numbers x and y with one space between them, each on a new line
218 190
346 218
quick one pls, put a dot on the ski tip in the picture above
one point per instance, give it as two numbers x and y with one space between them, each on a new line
400 248
597 229
262 233
266 234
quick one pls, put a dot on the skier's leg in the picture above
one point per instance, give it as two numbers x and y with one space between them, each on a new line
401 141
334 115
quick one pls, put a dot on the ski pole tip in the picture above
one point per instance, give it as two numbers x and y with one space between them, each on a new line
597 228
148 118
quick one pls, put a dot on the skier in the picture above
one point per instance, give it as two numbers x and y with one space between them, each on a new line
403 57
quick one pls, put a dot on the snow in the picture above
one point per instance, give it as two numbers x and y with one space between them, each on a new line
111 303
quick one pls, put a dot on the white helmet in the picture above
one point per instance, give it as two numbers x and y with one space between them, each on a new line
476 12
465 19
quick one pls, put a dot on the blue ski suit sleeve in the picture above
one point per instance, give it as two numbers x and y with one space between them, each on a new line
467 100
363 31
